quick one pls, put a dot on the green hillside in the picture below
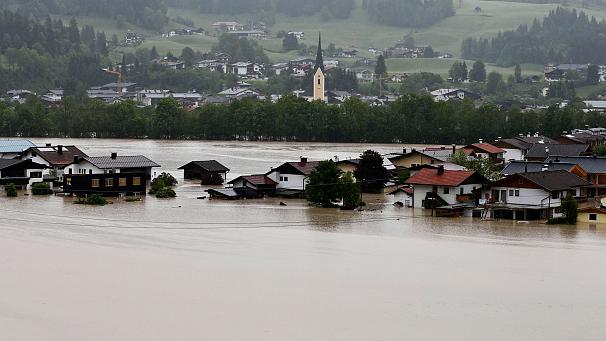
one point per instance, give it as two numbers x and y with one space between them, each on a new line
359 33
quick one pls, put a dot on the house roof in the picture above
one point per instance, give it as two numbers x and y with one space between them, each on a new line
559 180
255 179
15 146
107 162
592 165
542 151
452 178
301 168
53 156
487 147
209 166
7 163
515 167
396 156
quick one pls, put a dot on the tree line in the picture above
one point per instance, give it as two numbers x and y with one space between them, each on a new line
411 119
564 36
145 13
408 13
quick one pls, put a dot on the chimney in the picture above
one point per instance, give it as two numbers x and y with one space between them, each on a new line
547 150
76 158
481 141
440 170
114 156
303 160
60 149
404 150
526 168
545 168
48 144
454 149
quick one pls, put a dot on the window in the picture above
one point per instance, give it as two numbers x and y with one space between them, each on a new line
446 190
70 171
517 193
461 191
122 182
95 183
319 81
68 181
109 182
36 175
136 181
90 171
593 216
555 195
283 178
511 192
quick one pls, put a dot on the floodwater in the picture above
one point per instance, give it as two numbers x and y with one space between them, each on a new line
189 269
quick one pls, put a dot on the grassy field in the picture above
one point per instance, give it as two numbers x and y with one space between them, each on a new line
441 66
359 33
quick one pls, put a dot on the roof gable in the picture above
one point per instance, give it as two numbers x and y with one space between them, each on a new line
57 155
209 166
452 178
121 162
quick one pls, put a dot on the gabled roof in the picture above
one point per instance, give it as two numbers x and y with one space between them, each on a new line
542 151
15 146
515 167
397 156
209 166
486 147
559 180
255 179
300 168
592 165
450 178
7 163
121 162
57 155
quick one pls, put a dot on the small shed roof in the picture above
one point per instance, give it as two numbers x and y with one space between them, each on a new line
211 166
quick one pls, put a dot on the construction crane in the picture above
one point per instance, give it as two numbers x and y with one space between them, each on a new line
119 82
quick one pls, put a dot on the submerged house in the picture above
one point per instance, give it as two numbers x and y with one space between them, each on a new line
245 187
210 172
10 149
108 175
447 189
21 173
55 158
292 177
530 196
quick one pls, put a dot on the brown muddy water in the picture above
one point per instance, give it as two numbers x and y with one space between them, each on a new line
188 269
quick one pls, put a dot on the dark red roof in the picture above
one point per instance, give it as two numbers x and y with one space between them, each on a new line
488 148
256 179
58 155
428 176
302 168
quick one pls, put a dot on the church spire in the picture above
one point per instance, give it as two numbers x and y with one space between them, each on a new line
319 58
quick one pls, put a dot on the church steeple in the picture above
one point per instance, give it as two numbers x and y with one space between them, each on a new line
319 57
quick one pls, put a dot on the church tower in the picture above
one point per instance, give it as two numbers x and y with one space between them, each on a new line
319 77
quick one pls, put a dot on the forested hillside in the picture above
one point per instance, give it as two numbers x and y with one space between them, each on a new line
145 13
408 13
564 36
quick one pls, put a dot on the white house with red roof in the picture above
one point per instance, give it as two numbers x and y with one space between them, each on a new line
485 150
446 187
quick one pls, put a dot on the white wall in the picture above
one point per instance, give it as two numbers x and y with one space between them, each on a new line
528 196
513 154
420 191
83 167
295 182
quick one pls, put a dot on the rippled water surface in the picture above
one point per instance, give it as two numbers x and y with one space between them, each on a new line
189 269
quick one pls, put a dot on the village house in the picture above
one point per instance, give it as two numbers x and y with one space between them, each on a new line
446 189
183 32
411 158
556 73
173 63
515 167
440 95
53 96
10 149
255 34
245 187
540 152
212 65
292 177
531 196
210 172
591 136
190 99
516 148
132 39
298 34
592 215
595 168
246 69
227 26
19 96
108 175
21 173
483 150
239 92
55 158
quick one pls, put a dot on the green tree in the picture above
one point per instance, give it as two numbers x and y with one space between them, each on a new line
381 68
593 76
517 76
570 209
188 56
324 187
492 82
371 172
290 42
428 52
484 166
600 150
350 191
458 71
168 119
11 190
478 72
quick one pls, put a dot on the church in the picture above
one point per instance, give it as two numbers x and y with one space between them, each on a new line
319 93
